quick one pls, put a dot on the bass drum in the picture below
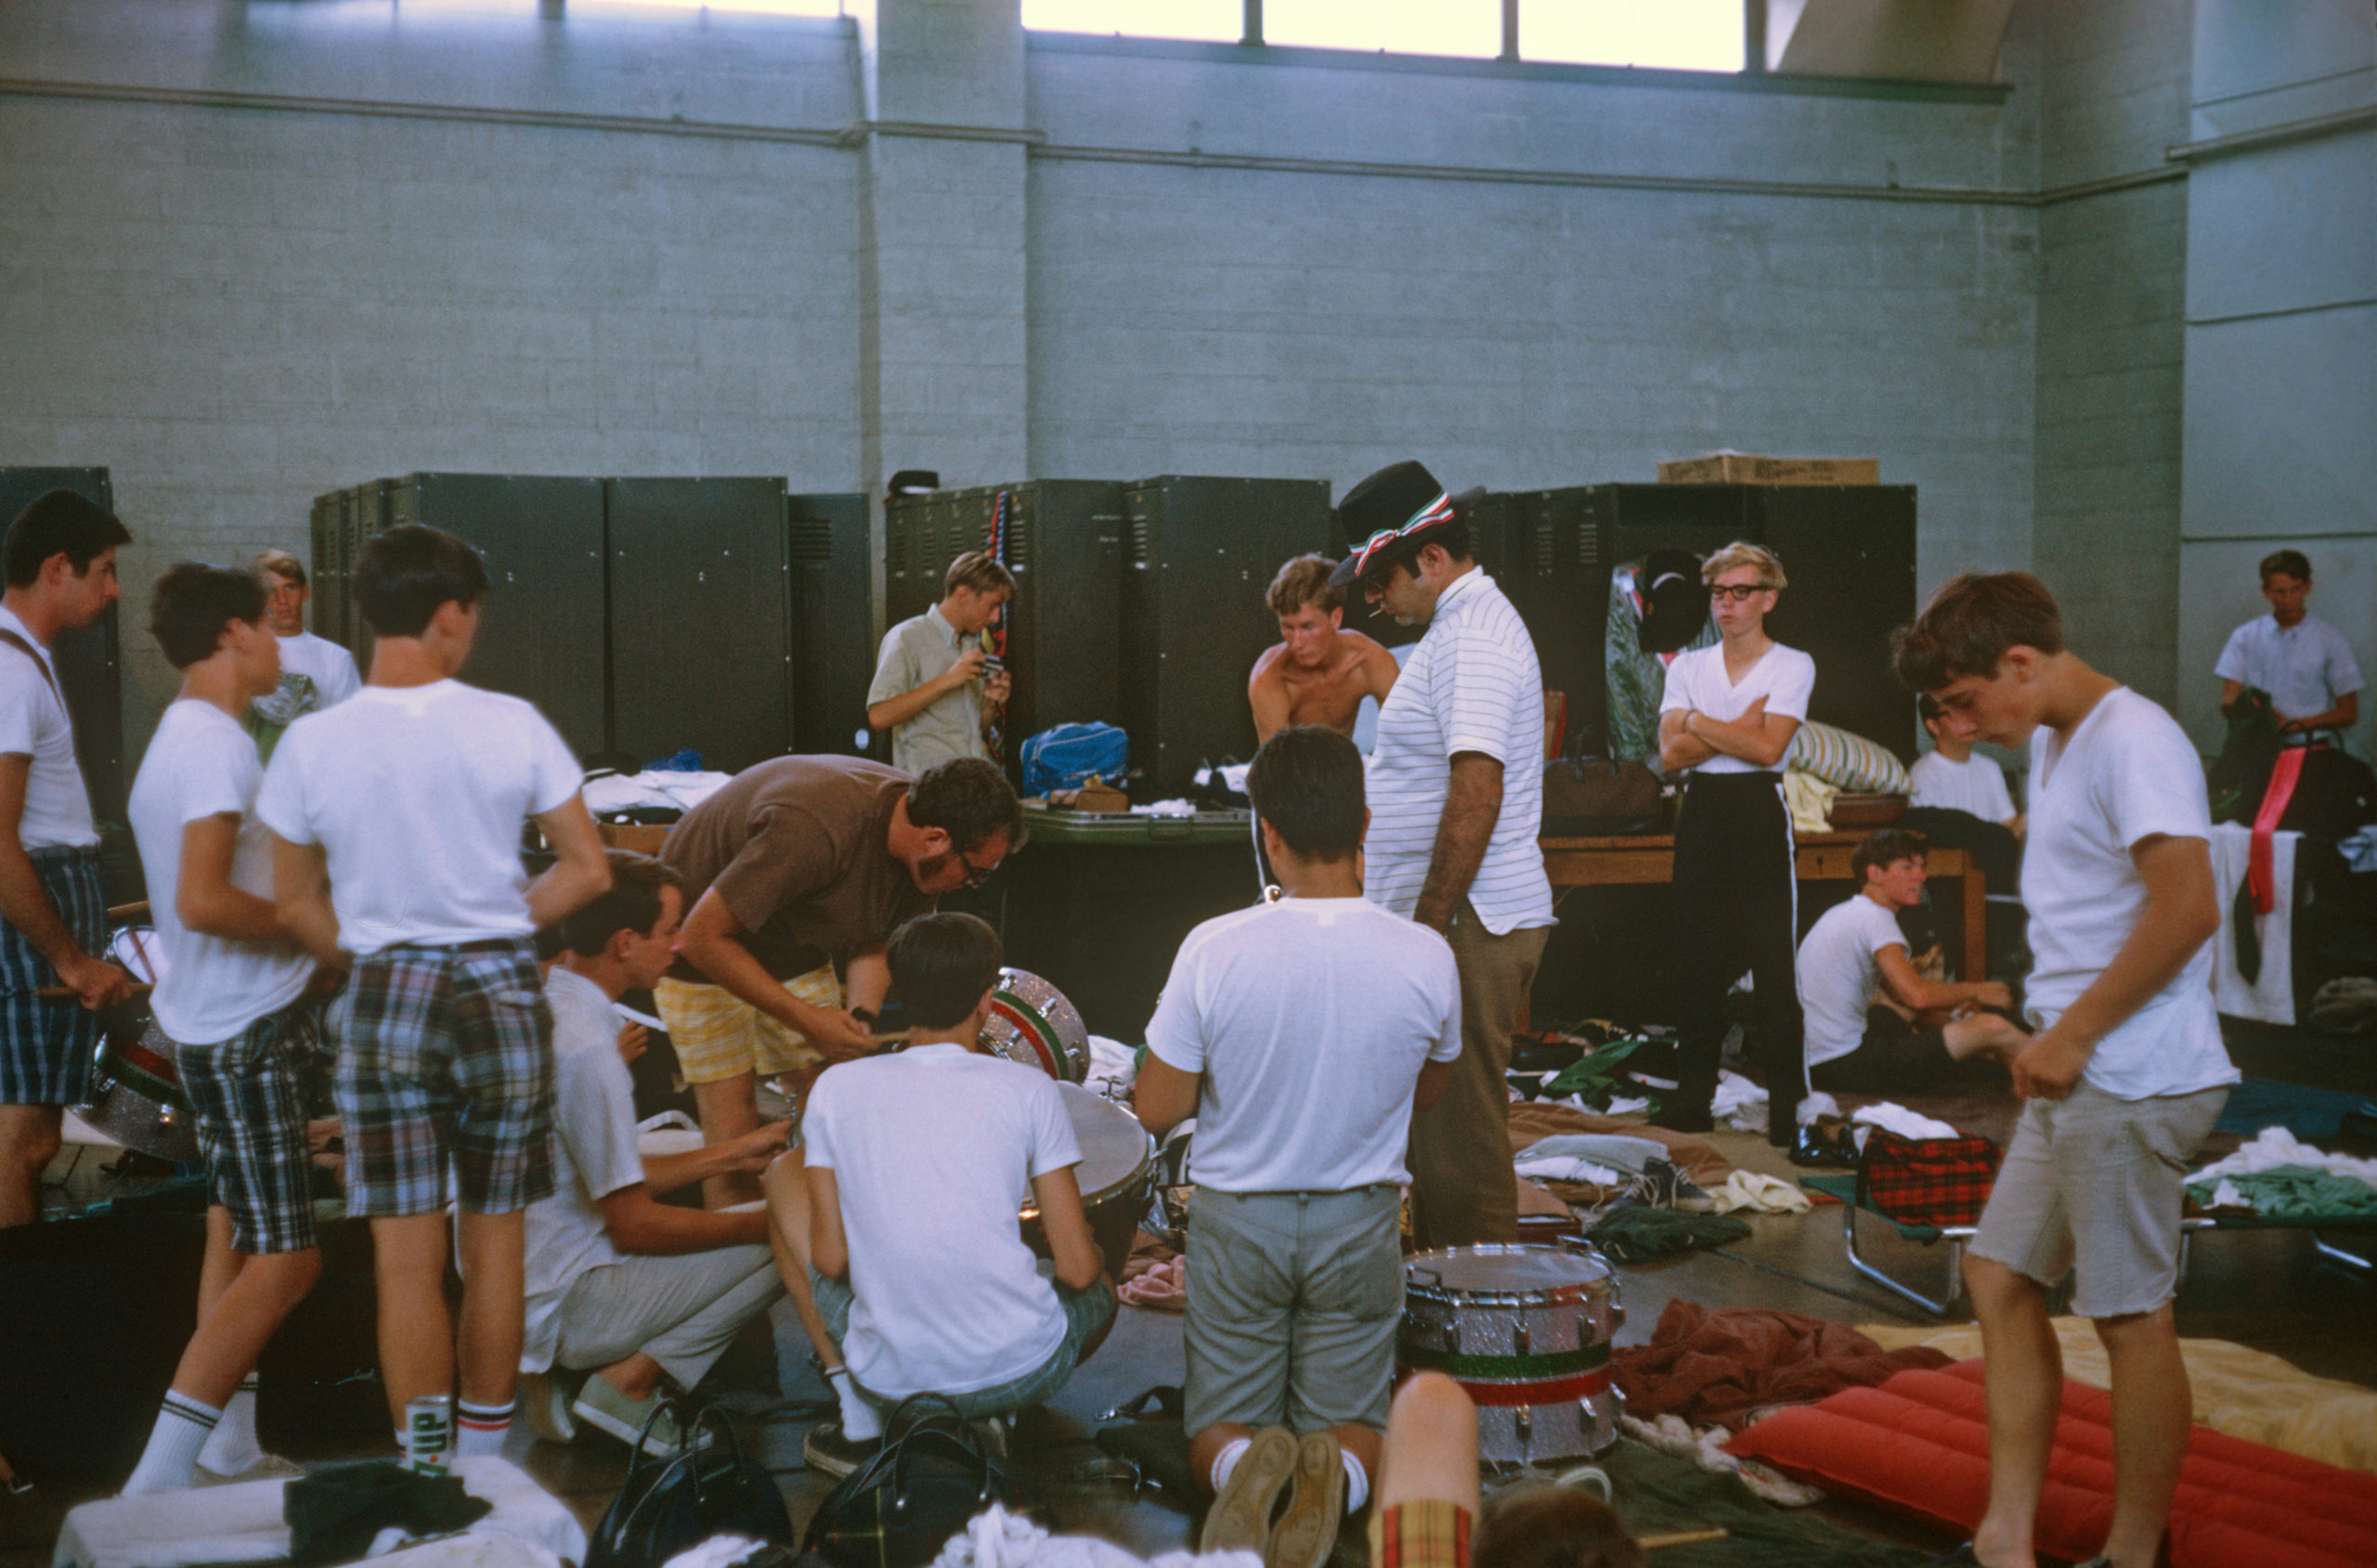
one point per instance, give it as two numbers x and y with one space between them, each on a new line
1031 1023
1526 1329
1116 1173
136 1088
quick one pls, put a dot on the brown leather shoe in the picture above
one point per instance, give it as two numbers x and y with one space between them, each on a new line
1307 1531
1241 1517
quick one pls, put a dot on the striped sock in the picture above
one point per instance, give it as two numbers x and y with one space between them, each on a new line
183 1426
234 1447
480 1429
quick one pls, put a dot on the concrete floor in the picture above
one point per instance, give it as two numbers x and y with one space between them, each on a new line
2264 1288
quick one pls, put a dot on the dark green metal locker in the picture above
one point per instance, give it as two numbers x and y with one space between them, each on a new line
1550 551
832 660
1849 550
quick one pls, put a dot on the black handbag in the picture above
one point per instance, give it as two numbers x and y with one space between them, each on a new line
666 1505
898 1510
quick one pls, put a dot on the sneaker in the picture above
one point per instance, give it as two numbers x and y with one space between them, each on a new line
544 1400
606 1409
1308 1530
827 1452
268 1466
1241 1517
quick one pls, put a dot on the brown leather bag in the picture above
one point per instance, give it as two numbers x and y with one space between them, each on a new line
1594 796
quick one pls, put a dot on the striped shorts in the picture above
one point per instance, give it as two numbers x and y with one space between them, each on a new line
718 1035
247 1095
47 1046
446 1054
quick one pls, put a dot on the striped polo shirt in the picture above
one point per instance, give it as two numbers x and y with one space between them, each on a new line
1472 684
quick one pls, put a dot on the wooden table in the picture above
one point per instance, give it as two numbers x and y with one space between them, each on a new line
1603 863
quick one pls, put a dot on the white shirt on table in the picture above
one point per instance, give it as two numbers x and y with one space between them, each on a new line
201 764
933 1151
418 793
2306 667
1975 785
1838 971
1310 1019
2128 774
1784 677
33 722
1472 684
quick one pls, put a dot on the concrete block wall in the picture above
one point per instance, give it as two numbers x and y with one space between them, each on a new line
2112 93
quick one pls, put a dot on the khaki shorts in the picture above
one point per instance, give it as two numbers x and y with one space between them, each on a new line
2093 1183
718 1035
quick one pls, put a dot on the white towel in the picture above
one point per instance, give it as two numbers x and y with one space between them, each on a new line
2270 999
1891 1117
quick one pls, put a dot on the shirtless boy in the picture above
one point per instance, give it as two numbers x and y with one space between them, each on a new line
1319 673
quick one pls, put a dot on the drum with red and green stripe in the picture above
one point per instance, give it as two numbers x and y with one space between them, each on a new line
1526 1329
1031 1022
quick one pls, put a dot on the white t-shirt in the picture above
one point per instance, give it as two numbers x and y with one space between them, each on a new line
2306 667
418 793
33 722
593 1155
1310 1019
1784 677
1838 974
201 764
2128 774
1472 684
328 666
1975 786
933 1151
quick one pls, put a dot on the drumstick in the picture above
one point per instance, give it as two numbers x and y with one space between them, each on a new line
124 911
67 992
1680 1538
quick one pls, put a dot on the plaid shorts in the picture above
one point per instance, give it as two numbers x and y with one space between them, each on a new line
718 1035
47 1047
446 1053
248 1096
1424 1532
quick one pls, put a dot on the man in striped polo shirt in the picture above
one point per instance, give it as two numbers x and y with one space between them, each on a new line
1456 796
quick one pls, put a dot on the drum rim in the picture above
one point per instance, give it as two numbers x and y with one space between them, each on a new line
1542 1295
1142 1172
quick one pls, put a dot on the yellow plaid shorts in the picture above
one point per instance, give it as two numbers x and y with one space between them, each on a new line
718 1035
1422 1533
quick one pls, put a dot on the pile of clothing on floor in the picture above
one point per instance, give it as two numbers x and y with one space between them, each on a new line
2278 1177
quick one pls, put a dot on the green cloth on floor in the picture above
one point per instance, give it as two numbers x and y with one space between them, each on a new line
2297 1192
1655 1493
1637 1235
333 1511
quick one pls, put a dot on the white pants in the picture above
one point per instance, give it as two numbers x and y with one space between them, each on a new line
680 1311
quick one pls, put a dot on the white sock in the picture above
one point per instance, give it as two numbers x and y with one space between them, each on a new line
1357 1481
1227 1460
480 1429
234 1447
861 1421
183 1426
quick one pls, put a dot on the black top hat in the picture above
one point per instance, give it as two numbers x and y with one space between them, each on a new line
1388 517
1674 605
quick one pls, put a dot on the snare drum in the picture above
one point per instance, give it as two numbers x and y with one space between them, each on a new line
1116 1170
1031 1023
136 1090
1526 1330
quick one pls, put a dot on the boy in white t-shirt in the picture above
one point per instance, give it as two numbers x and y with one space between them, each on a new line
316 673
397 819
2126 1073
900 1212
1950 778
1862 994
231 994
1303 1036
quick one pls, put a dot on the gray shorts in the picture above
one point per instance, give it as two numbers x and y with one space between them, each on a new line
2093 1183
1293 1300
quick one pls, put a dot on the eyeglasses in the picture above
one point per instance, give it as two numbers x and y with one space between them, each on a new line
975 875
1738 592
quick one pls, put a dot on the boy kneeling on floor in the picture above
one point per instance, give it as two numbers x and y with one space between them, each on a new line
901 1210
1300 1034
1862 995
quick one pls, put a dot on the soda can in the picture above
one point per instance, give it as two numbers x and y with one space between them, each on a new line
429 1434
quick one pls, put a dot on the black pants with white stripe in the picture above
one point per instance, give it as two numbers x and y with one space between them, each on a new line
1736 908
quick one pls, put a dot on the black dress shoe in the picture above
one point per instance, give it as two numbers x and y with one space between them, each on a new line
1825 1149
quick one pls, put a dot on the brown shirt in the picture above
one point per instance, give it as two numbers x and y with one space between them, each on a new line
796 847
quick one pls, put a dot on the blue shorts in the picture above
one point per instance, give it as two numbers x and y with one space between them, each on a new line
248 1096
47 1045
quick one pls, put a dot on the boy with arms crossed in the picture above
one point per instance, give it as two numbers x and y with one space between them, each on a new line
1300 1034
398 818
232 999
2127 1073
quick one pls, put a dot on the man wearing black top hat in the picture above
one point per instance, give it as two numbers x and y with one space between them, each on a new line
1456 797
